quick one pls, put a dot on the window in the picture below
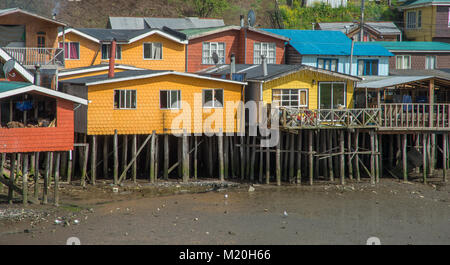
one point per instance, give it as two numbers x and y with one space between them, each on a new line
170 99
209 48
266 49
449 17
106 48
41 41
419 18
368 67
403 62
332 95
290 97
411 20
327 64
212 98
71 50
430 62
153 51
2 73
124 99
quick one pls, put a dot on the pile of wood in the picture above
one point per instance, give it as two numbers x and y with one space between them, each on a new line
32 124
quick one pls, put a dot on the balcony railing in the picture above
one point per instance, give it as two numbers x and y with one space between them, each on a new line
292 118
33 56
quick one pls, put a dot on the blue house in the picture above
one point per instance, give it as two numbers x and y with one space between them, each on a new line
332 50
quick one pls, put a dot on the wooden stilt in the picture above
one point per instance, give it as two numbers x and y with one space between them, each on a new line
278 162
242 160
85 164
372 157
133 154
210 157
377 160
25 180
252 151
291 158
46 177
358 174
221 164
12 176
70 166
433 153
124 151
405 158
424 157
342 160
225 156
349 157
94 159
186 159
36 176
299 158
261 162
247 157
232 157
310 154
105 156
285 157
57 164
116 157
268 165
380 157
152 157
330 159
156 157
444 156
63 165
2 164
166 156
195 158
323 150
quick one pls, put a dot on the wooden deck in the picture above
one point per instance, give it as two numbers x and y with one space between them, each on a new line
389 117
31 56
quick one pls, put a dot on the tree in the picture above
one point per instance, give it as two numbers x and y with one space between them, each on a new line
207 8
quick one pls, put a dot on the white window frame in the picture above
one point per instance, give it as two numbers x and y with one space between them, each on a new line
419 19
299 90
209 59
151 52
213 105
330 60
169 97
403 62
411 23
128 93
258 48
427 57
68 50
108 57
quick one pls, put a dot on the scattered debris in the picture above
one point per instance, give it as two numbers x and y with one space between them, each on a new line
285 214
251 189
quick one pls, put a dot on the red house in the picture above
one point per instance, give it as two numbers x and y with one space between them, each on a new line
246 43
36 119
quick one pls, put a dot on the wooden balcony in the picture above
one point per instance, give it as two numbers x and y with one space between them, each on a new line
29 57
389 117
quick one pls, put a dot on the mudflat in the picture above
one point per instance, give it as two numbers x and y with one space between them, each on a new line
394 211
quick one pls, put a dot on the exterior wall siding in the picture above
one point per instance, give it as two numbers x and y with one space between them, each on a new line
303 80
173 54
103 119
442 29
343 63
236 43
59 138
418 60
426 32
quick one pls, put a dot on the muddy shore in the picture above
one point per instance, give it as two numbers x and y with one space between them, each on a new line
394 211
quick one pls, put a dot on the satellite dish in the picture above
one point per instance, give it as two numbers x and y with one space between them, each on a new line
251 18
215 58
8 66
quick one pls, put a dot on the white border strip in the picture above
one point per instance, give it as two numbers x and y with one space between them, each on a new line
17 66
44 91
95 69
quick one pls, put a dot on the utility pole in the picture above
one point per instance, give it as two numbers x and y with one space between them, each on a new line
361 24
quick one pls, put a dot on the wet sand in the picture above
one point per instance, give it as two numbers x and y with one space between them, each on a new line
395 212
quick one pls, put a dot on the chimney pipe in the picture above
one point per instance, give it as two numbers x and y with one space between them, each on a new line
242 21
232 66
37 75
264 64
112 58
54 16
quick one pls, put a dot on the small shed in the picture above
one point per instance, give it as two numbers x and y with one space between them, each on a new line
36 119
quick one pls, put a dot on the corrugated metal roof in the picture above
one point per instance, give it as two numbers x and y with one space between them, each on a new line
412 45
384 27
336 26
8 86
121 35
412 3
391 81
193 32
323 42
154 22
440 73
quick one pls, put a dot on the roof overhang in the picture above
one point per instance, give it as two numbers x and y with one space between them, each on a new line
79 33
95 69
401 8
18 10
222 29
419 51
122 79
391 81
17 66
43 90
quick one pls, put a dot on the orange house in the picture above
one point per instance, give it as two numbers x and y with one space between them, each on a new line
143 101
155 49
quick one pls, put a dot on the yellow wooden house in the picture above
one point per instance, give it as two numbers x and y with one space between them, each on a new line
156 49
143 101
426 20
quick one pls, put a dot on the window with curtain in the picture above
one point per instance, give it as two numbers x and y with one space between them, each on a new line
209 48
212 98
125 99
327 64
106 48
170 99
153 51
266 49
430 62
403 62
411 20
290 97
367 67
71 50
41 41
